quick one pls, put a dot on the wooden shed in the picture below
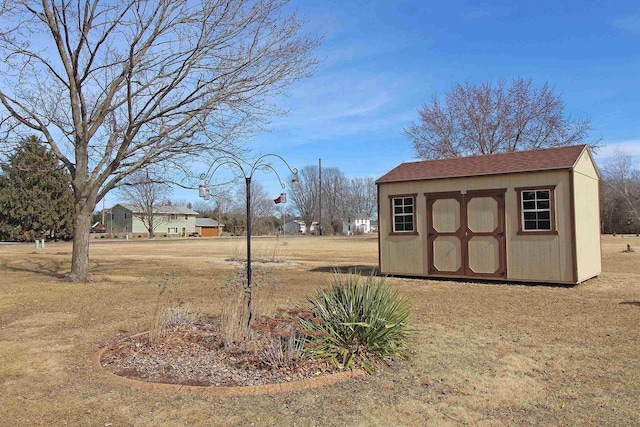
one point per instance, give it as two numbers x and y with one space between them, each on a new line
530 216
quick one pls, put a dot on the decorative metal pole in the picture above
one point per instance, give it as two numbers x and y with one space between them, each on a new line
204 191
319 196
249 291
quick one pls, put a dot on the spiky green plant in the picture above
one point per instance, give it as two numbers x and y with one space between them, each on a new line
357 322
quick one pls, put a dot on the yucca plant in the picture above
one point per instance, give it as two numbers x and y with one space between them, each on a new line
357 322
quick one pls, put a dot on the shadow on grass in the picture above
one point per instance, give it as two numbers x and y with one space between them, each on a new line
49 269
362 270
636 303
500 282
57 269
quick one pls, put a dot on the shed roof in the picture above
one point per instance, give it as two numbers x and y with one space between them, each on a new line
491 164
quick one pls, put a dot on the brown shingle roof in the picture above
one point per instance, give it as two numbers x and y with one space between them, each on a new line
491 164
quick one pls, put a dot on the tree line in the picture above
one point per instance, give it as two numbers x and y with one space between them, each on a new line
620 195
36 199
114 88
339 197
328 197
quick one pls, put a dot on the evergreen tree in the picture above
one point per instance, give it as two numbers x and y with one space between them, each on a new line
36 199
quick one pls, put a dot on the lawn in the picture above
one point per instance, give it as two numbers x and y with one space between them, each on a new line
483 354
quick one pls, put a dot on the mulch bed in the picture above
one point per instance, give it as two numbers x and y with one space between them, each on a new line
195 355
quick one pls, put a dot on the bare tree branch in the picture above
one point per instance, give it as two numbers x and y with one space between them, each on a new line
623 180
488 118
113 87
144 195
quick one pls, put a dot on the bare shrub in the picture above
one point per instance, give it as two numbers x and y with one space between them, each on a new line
235 313
167 283
234 318
264 252
179 316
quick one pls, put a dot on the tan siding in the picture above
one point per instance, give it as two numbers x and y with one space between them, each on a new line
586 167
540 257
401 254
588 251
530 258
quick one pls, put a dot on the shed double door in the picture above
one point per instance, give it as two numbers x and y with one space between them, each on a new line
465 234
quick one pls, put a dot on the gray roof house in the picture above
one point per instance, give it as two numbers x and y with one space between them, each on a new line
169 221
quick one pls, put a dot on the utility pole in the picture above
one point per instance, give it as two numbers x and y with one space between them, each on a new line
320 195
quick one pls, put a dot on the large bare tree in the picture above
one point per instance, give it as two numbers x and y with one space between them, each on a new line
124 84
305 194
145 195
261 205
335 191
363 196
489 118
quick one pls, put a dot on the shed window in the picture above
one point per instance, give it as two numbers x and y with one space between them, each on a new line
536 210
403 209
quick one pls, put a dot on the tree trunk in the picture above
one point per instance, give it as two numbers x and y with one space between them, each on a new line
81 230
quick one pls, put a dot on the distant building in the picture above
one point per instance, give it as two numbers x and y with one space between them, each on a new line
170 221
356 224
297 226
207 227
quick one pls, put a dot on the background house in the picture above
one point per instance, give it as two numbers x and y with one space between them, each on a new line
294 227
297 226
359 223
169 221
521 216
207 227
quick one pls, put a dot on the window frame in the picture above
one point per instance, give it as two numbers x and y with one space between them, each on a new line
392 214
552 210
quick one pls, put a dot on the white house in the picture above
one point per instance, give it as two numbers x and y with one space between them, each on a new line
169 221
356 224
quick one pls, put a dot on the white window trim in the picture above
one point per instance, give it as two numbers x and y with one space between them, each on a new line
413 198
551 210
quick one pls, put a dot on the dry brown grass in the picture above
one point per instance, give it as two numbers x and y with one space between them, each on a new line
484 354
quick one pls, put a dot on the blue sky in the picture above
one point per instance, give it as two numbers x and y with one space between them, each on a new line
382 60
